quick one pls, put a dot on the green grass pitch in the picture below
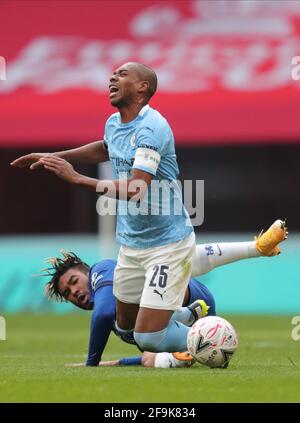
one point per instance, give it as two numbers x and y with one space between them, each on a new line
265 368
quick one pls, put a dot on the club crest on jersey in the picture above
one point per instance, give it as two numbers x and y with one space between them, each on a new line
133 140
96 277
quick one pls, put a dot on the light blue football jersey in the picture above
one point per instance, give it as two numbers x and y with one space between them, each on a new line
161 217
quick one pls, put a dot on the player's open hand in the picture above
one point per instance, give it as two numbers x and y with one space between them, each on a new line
30 160
61 168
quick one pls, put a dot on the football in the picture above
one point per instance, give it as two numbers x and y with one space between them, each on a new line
212 341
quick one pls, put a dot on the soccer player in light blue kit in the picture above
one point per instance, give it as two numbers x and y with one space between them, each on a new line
154 263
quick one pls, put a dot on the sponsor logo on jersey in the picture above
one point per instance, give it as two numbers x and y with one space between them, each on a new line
96 277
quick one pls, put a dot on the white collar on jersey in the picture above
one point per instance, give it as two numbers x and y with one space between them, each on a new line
144 110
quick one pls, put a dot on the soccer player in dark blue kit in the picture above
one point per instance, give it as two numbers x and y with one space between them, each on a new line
91 288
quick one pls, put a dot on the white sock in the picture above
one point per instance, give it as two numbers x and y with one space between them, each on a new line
166 360
209 256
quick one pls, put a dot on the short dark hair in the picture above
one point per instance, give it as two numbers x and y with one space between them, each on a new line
58 267
145 73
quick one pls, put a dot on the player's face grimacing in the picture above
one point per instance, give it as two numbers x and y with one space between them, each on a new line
124 85
73 286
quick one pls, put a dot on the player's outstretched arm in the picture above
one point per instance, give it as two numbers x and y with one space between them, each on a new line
148 359
125 189
94 152
101 323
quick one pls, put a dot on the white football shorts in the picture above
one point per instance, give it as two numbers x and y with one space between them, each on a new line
155 277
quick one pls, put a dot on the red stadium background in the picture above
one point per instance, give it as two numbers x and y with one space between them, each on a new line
229 85
225 68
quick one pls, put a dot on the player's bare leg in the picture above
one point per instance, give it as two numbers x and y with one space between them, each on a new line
126 315
125 320
152 320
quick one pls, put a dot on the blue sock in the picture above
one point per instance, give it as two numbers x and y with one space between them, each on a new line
130 361
172 338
